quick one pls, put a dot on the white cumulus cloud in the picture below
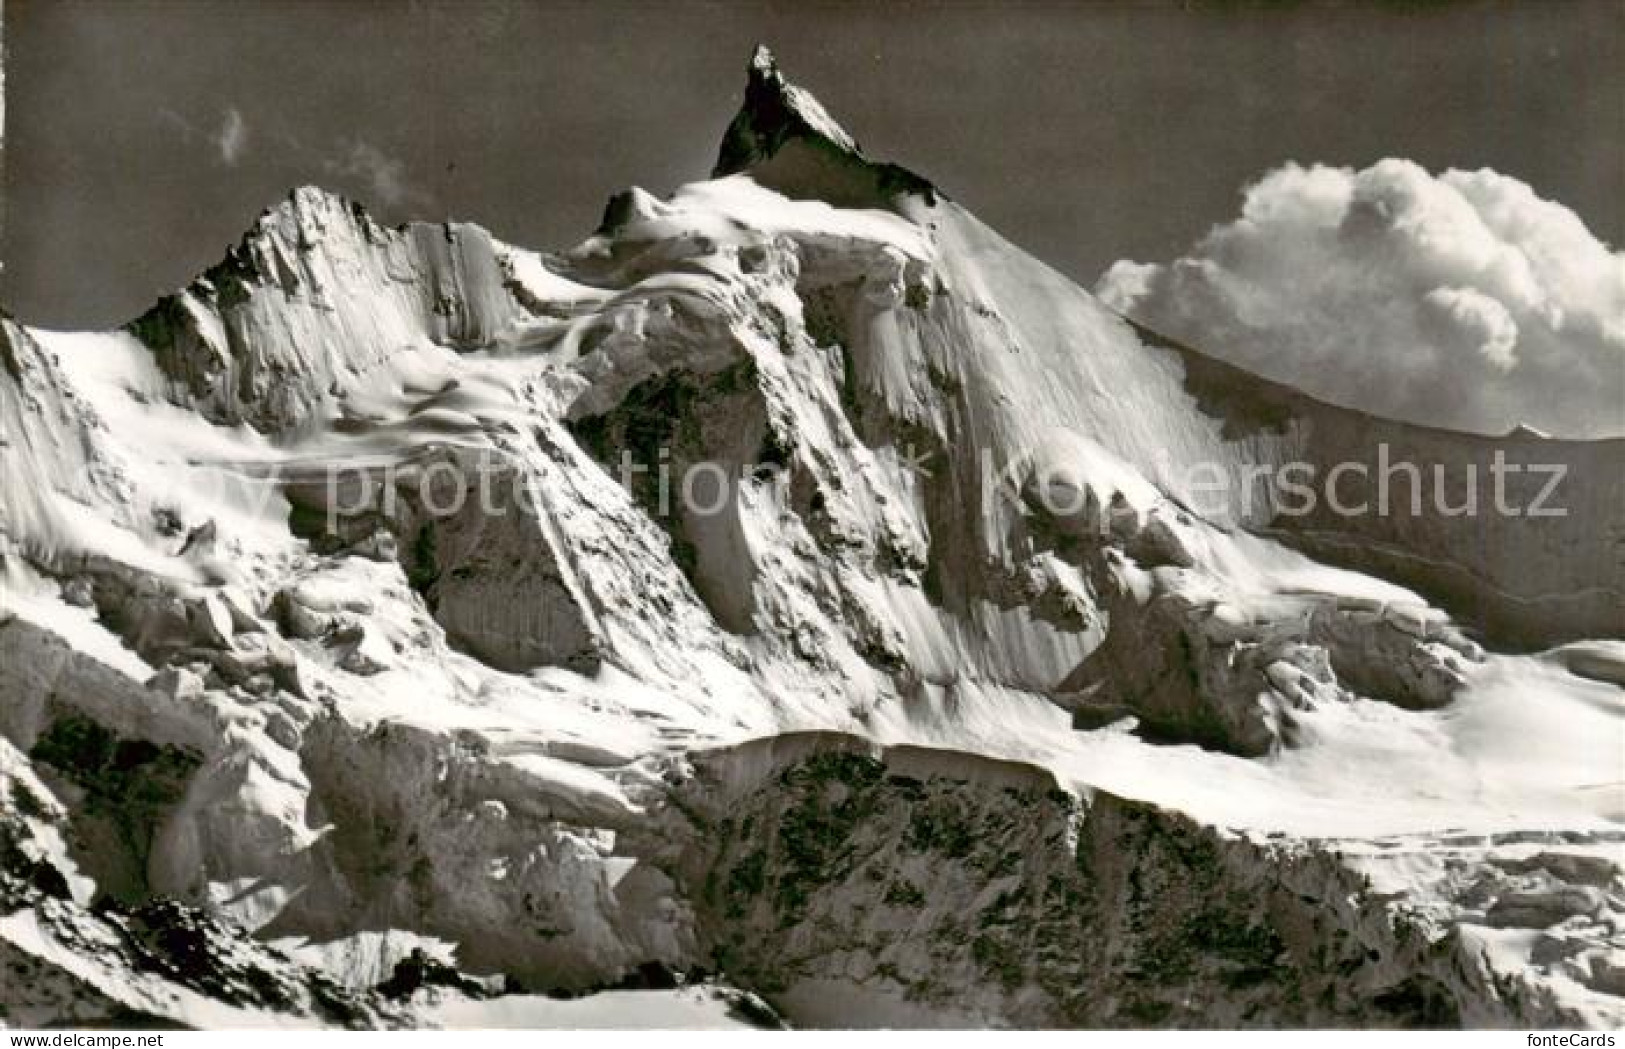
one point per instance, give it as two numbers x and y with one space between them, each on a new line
1472 320
1460 300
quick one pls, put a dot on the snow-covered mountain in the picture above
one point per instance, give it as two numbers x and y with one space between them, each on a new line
917 673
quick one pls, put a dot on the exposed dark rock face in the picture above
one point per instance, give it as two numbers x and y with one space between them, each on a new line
784 139
855 887
127 786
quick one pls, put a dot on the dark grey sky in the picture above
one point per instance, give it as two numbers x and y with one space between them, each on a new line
1087 132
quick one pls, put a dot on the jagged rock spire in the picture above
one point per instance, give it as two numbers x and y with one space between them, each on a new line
775 111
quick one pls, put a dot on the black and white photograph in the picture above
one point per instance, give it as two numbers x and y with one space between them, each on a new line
557 516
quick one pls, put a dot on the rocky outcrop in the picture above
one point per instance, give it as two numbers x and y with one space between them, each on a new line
784 139
1197 670
856 887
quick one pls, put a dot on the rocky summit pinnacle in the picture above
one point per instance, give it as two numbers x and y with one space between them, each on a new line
775 112
785 139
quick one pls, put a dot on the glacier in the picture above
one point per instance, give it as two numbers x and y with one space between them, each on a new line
363 636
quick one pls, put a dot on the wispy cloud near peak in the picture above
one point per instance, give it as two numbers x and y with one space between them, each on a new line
232 137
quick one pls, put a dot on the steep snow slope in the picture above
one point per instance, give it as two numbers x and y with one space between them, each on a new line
1544 571
326 611
1169 410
